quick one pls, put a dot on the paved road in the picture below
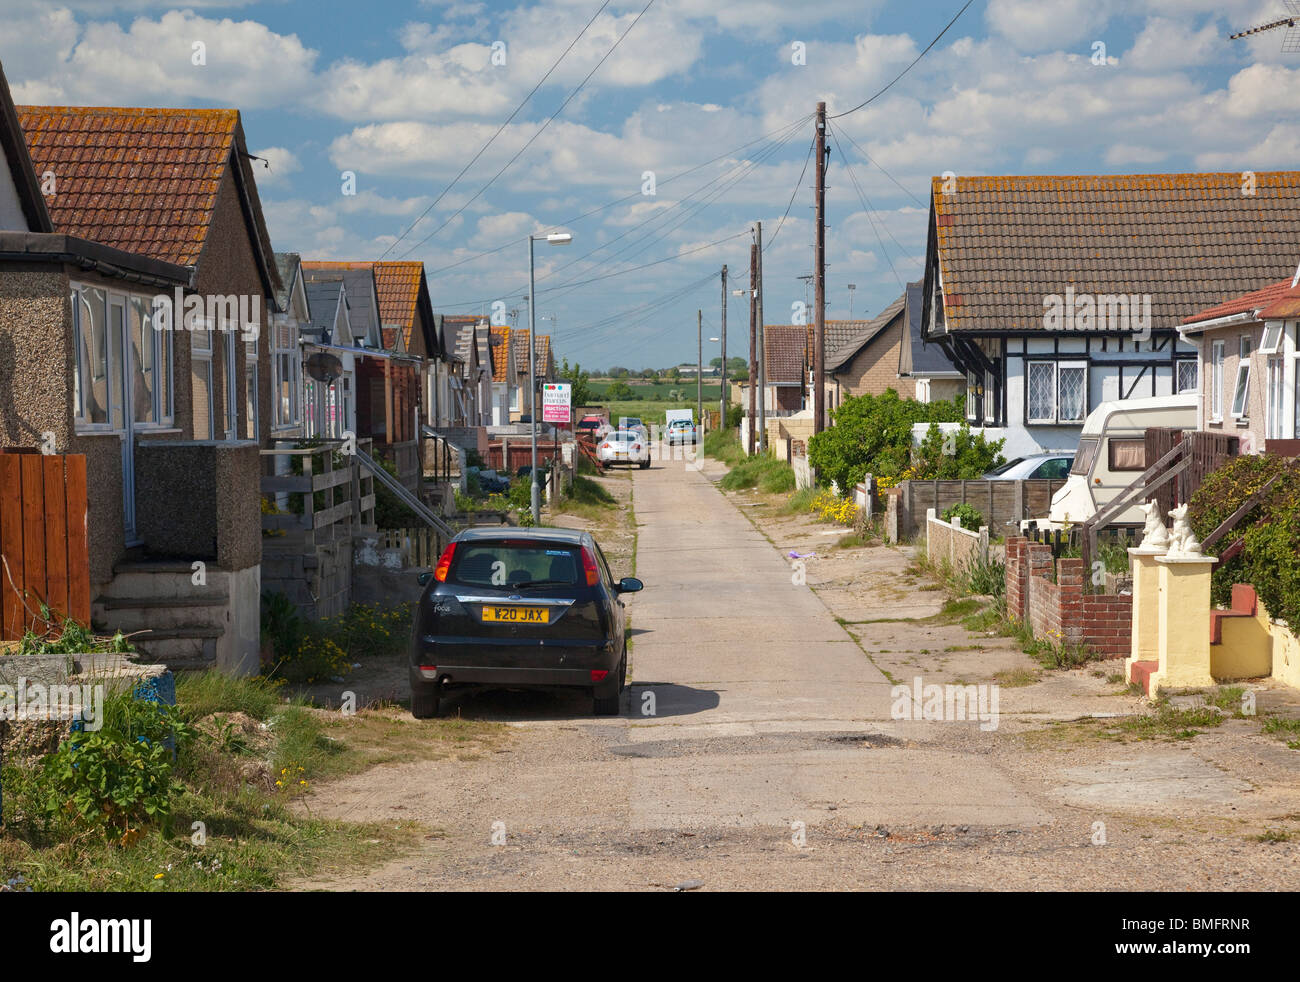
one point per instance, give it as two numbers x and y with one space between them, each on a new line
763 701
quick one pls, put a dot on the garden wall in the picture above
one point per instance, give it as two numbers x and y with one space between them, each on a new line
1002 503
1060 611
950 542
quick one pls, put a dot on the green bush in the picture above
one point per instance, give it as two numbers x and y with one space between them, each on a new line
873 435
955 456
118 778
1270 558
966 515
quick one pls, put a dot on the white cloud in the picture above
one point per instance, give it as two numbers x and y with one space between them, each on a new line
276 165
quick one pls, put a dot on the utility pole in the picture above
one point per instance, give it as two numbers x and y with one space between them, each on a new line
762 356
753 335
819 282
722 400
699 371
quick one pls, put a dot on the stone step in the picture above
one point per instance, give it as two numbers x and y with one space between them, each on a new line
181 648
1141 674
159 603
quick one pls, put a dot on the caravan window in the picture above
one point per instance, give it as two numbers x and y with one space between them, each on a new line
1084 456
1127 454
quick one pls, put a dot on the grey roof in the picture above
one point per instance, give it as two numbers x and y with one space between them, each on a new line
286 264
858 339
918 357
363 302
323 298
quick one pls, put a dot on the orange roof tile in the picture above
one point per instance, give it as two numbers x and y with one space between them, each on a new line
141 180
1276 300
500 347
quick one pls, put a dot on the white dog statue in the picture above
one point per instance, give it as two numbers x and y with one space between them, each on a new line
1182 542
1154 535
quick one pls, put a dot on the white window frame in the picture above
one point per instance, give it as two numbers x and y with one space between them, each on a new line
164 411
1057 368
1272 338
201 346
1196 367
1218 351
286 358
81 302
990 414
1241 388
1274 397
972 406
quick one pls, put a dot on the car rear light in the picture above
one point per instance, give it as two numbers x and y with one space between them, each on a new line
604 446
444 563
598 674
429 671
589 567
636 446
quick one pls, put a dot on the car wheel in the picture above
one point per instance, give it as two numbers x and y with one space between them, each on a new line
610 705
645 464
425 702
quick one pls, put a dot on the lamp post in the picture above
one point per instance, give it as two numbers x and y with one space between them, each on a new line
535 498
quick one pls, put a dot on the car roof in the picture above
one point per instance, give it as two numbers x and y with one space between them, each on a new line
575 537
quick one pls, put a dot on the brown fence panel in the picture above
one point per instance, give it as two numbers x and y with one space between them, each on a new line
43 542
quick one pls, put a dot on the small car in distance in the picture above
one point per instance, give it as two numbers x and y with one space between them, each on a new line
682 431
624 447
593 423
516 609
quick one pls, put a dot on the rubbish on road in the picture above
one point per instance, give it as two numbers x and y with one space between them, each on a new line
688 885
800 555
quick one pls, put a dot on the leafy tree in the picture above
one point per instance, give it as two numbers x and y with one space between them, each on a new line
618 371
873 434
619 391
581 394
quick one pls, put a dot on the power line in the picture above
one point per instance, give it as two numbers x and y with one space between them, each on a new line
617 201
868 209
542 129
500 129
908 68
882 170
797 185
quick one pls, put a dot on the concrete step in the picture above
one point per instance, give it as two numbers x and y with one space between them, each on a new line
161 603
181 648
1142 672
1244 604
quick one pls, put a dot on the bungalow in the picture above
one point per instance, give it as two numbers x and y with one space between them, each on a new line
1054 294
543 370
505 377
1249 352
936 379
141 207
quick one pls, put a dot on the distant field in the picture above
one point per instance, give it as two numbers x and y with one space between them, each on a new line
650 412
663 391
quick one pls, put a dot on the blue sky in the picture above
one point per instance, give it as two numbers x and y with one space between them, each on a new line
404 94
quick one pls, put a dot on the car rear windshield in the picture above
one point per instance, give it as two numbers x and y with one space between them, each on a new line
517 562
622 436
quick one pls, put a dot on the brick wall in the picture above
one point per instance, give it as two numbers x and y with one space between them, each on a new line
1061 612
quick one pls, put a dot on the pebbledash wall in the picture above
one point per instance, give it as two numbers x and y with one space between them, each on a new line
1062 612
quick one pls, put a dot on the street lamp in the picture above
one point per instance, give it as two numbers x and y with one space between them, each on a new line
535 498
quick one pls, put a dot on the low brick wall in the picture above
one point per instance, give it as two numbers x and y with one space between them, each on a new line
1060 611
950 542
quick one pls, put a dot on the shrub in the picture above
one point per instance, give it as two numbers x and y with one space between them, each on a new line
873 434
1269 560
829 507
118 778
967 516
955 456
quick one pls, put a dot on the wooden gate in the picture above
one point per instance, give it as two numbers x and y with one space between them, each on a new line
44 549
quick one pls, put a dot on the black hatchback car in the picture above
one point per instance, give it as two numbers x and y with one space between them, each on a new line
520 608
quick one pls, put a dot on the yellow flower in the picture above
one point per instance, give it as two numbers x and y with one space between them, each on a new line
158 876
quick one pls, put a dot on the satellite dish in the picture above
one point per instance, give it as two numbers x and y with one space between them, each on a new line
323 367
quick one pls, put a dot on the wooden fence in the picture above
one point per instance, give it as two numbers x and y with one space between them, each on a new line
1002 503
44 548
420 547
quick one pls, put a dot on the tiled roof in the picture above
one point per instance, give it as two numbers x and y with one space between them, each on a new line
141 180
500 345
1276 300
849 337
397 290
1004 244
359 279
542 356
785 350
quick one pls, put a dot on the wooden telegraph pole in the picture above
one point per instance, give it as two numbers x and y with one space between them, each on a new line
753 346
722 400
819 282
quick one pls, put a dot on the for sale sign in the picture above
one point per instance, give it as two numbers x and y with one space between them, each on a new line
555 402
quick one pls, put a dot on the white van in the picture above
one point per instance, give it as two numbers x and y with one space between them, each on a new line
1112 454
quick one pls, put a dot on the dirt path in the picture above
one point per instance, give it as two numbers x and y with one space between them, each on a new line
771 759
